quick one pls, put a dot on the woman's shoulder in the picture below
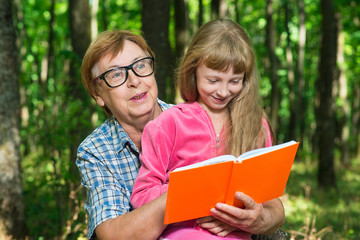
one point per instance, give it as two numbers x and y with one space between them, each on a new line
163 105
102 133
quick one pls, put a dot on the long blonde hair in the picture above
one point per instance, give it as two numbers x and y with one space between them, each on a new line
222 44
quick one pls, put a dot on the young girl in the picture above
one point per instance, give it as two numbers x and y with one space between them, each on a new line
218 81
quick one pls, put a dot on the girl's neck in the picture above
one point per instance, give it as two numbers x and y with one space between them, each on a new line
218 118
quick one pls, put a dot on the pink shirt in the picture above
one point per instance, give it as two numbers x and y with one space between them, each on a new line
180 136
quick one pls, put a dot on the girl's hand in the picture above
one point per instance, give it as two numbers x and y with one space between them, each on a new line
215 226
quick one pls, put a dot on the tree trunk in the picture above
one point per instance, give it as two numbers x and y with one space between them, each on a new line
12 220
270 43
344 110
215 8
49 143
155 26
290 77
94 22
237 11
182 26
79 11
300 109
218 9
355 121
80 25
201 13
104 14
324 103
223 9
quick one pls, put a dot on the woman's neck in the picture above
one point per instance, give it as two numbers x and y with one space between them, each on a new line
134 128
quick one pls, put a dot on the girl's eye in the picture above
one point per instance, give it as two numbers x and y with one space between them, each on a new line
212 80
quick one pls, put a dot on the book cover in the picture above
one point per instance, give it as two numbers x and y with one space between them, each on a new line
261 173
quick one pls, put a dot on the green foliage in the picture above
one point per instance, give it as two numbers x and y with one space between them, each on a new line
53 118
120 14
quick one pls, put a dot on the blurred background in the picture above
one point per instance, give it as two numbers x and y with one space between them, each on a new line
308 54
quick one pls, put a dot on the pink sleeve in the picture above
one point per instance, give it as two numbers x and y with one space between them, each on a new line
151 181
269 137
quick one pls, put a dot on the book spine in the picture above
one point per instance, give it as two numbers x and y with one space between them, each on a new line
230 194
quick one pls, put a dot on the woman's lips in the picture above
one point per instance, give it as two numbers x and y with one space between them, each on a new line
139 97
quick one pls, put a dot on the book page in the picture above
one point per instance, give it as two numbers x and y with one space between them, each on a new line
219 159
259 151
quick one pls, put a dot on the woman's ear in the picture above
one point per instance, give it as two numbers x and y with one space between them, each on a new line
100 101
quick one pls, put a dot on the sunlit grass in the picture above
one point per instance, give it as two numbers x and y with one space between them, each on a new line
315 214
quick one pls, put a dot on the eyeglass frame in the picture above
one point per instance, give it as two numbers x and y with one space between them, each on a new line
127 68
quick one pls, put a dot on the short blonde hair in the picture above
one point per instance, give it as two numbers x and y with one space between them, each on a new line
107 43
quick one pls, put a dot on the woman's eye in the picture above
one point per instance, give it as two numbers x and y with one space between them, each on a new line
140 65
116 74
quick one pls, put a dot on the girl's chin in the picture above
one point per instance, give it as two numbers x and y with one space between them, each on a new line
218 105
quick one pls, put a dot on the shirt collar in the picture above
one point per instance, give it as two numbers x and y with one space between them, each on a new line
123 138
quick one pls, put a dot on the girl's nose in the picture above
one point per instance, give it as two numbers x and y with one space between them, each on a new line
222 91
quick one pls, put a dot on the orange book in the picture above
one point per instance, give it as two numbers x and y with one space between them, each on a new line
261 173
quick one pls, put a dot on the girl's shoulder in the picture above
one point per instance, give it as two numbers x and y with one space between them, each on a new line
181 109
189 106
178 113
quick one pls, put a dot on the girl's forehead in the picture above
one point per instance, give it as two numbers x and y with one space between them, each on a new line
224 66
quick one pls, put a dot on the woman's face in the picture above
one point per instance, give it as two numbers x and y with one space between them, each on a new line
216 89
135 98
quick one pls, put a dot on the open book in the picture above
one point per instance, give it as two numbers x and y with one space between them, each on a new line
261 173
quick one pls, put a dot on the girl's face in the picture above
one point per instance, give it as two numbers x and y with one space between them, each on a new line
216 89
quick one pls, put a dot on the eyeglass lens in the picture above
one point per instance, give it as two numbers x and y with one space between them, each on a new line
117 76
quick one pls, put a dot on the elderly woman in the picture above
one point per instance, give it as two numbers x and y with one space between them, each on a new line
118 72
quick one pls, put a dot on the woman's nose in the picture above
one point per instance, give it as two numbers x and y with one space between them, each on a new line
133 80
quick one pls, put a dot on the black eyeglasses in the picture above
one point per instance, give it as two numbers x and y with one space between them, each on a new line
117 76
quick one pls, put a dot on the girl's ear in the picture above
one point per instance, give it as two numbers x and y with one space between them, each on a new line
100 101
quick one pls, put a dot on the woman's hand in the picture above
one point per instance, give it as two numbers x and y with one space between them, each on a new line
215 226
255 218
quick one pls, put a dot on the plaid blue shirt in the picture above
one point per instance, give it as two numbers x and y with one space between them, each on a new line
108 162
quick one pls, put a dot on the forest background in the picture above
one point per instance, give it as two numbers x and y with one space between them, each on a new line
308 53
